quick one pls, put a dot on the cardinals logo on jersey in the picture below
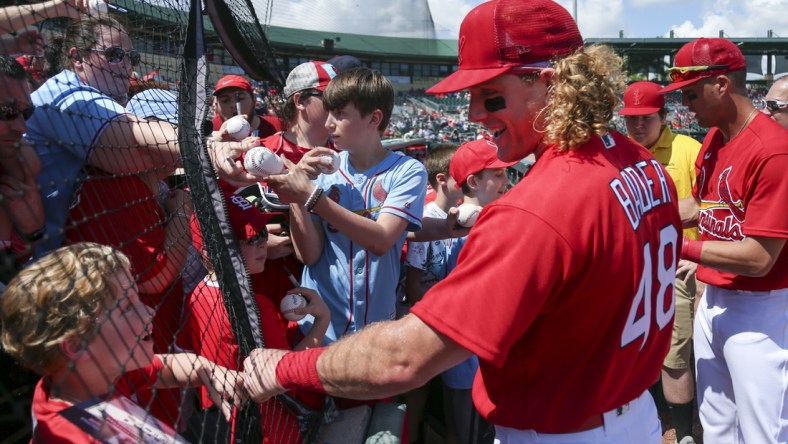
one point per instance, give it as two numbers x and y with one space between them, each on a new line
379 193
723 219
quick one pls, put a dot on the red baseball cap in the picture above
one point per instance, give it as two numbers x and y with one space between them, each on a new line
232 81
499 35
472 157
704 58
309 75
245 219
642 98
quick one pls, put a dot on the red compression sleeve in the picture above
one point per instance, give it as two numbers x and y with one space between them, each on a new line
690 249
299 370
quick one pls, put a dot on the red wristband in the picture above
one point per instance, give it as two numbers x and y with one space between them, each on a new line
299 370
690 249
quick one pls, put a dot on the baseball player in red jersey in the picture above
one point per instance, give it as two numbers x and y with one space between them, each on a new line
741 329
564 288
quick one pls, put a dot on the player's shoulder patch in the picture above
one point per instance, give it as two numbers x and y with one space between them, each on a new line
608 140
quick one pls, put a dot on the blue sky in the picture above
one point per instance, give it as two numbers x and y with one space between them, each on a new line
597 18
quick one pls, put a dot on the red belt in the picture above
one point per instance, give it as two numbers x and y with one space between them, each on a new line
591 423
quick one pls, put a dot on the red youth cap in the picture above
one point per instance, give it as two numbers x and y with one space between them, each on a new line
232 81
472 157
309 75
642 98
705 52
499 35
245 219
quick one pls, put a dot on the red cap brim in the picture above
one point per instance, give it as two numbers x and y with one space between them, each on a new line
501 164
678 85
466 78
638 111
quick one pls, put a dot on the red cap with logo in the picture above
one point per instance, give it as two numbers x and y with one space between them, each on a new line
642 98
472 157
703 58
245 219
500 35
232 81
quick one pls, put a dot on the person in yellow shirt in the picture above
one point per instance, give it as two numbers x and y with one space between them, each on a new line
645 117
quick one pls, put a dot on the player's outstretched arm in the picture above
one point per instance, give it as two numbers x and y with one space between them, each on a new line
433 229
382 360
754 256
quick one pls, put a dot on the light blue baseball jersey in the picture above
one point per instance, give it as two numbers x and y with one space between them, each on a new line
69 119
459 377
360 287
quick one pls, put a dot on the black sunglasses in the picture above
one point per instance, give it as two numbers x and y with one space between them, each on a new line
9 112
115 55
260 238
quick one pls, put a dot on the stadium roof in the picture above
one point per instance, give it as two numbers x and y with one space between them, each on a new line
751 46
292 39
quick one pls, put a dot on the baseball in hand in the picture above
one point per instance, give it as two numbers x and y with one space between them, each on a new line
289 304
238 128
261 162
97 7
468 214
329 163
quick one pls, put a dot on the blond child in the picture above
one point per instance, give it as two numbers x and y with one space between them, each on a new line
75 317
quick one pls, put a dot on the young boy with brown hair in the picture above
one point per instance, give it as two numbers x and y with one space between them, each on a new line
75 317
349 227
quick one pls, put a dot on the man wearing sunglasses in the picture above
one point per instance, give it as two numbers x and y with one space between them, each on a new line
738 205
775 103
21 210
80 120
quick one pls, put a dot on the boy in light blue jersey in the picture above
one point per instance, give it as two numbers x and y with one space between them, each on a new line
351 241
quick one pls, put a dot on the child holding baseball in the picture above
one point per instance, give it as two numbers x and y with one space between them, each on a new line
482 178
211 334
75 316
349 227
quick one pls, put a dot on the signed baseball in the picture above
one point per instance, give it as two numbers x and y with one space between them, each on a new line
238 128
329 163
289 304
261 162
97 7
468 214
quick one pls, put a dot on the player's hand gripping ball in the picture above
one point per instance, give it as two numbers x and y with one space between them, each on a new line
261 162
238 128
329 163
468 214
289 304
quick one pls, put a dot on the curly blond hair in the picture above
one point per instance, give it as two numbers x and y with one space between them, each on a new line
585 89
58 297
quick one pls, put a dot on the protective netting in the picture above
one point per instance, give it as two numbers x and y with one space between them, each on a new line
117 244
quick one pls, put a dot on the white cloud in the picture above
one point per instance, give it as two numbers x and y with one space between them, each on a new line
737 19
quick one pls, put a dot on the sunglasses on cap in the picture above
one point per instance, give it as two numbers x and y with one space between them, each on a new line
774 105
681 73
115 54
9 112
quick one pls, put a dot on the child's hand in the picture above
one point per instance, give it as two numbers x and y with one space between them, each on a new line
225 387
311 161
315 305
293 187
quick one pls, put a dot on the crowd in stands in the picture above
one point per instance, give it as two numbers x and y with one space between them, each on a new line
109 287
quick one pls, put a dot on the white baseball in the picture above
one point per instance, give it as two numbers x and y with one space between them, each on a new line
238 128
329 163
289 304
468 214
97 7
261 162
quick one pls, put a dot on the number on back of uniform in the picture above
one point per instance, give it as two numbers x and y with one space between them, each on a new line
640 326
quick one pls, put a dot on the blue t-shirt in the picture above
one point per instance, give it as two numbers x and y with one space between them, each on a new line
360 287
69 119
460 377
